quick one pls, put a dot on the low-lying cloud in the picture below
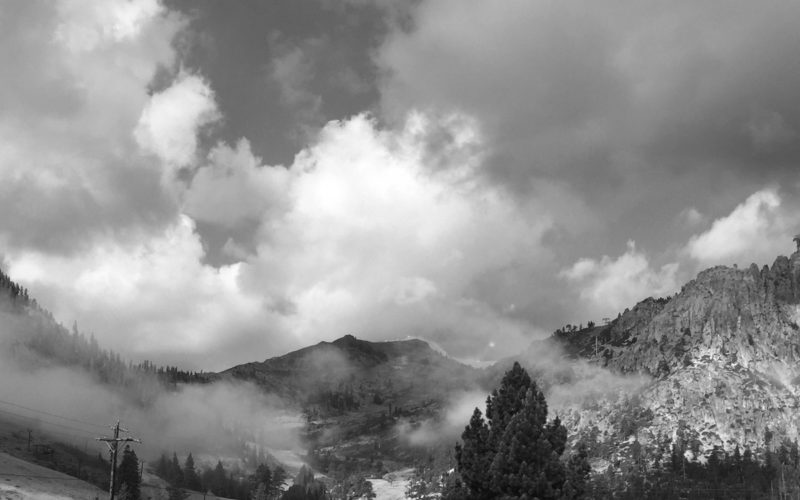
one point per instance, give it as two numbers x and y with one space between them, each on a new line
207 420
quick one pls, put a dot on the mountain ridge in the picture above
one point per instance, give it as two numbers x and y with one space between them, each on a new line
722 356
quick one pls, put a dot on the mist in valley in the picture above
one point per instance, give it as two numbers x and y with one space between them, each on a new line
225 419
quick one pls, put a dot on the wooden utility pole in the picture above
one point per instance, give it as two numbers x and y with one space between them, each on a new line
113 447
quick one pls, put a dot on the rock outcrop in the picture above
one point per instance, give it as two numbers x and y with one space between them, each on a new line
722 353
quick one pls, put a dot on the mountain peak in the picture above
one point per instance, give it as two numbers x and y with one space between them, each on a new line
730 335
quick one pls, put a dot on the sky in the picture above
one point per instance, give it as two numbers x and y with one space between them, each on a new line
207 183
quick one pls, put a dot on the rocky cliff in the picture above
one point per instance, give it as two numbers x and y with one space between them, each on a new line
722 353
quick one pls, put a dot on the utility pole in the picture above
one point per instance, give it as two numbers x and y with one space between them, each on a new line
113 447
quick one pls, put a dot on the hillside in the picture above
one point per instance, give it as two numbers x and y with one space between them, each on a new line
721 356
362 399
23 480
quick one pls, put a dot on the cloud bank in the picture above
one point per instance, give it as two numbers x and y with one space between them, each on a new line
475 188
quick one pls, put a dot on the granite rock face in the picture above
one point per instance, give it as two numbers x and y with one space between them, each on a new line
722 353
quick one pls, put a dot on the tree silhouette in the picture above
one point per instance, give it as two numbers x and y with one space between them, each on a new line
515 452
129 481
190 478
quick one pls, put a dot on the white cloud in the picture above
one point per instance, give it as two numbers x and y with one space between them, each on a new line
357 236
68 116
372 241
86 24
757 230
149 298
235 186
610 285
169 123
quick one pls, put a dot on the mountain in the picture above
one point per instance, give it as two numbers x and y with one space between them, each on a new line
384 369
720 359
362 399
713 367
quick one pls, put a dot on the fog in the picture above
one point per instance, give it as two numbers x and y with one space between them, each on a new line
449 426
229 419
211 421
567 383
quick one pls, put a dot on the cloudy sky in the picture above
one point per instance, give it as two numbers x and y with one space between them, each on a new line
206 183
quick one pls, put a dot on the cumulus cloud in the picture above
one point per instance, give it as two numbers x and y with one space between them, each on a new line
757 230
609 285
450 222
170 122
234 186
372 241
151 299
357 236
67 120
86 24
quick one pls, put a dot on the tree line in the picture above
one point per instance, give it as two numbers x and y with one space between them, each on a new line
44 336
264 483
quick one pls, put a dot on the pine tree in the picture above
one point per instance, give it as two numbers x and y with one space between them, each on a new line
218 480
259 493
527 462
515 453
190 478
162 466
279 478
507 400
305 487
475 456
262 480
129 475
577 472
175 473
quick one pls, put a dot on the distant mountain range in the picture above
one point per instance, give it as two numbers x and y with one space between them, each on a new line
716 365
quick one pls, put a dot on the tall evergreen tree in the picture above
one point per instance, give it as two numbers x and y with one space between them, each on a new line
162 466
175 473
190 478
515 453
527 462
262 480
577 472
306 487
129 481
218 480
279 478
475 456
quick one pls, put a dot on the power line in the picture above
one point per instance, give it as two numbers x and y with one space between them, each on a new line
37 419
53 414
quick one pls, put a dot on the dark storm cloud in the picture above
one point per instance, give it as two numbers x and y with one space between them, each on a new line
615 100
322 49
66 218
